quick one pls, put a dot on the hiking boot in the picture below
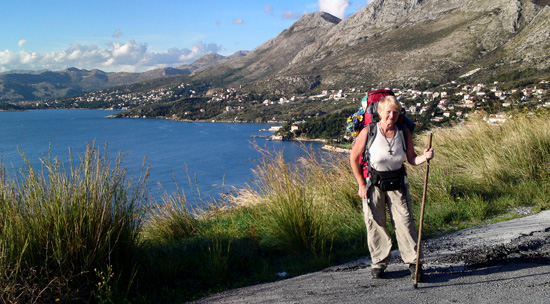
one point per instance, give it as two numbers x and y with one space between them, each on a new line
412 269
377 273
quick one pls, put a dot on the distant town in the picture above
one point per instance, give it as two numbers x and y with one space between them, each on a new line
452 101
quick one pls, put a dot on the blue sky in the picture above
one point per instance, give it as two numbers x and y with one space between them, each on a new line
139 35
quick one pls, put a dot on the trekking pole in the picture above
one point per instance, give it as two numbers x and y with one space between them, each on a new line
422 214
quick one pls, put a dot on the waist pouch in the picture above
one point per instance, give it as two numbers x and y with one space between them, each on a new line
388 180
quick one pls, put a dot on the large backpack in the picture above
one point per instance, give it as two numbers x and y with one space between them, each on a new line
370 104
371 118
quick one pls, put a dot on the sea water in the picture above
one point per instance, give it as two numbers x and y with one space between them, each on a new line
215 157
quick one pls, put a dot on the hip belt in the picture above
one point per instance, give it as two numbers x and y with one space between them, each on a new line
388 180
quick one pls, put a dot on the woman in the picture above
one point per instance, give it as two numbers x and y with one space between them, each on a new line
387 157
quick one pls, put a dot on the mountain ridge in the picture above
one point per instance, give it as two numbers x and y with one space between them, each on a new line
26 85
420 44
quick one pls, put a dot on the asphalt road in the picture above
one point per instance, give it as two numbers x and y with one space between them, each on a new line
506 262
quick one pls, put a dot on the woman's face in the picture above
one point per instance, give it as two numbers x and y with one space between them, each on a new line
389 115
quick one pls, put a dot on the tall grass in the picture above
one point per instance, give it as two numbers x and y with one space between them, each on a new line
304 207
294 217
65 231
171 220
482 170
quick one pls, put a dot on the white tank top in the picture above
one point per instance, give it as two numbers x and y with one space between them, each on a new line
380 157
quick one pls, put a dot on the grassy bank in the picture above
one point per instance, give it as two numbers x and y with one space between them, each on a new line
483 171
84 233
68 233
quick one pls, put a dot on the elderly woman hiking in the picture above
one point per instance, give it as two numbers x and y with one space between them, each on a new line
387 185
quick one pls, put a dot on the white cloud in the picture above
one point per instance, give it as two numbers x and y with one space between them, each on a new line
127 53
268 9
130 56
238 21
290 15
21 43
182 56
29 58
334 7
8 58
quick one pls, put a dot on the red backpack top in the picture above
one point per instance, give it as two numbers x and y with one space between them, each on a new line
370 104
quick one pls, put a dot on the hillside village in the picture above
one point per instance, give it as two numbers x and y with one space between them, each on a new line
451 101
455 100
121 99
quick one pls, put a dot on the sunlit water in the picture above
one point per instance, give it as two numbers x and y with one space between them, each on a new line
216 156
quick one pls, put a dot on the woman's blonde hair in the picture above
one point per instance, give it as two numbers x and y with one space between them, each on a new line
386 102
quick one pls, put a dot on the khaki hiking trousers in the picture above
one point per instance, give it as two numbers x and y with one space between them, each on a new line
379 241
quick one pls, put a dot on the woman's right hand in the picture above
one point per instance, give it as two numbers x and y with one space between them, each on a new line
362 191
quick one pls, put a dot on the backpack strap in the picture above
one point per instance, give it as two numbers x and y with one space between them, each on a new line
373 129
401 129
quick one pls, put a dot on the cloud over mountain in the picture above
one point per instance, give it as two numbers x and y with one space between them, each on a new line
334 7
130 56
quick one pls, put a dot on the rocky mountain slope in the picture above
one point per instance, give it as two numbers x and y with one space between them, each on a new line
210 59
31 86
269 59
399 41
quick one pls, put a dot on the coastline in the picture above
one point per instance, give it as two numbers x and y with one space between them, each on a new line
335 149
268 137
192 120
300 139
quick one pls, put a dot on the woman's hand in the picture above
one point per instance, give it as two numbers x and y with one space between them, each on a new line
429 154
362 191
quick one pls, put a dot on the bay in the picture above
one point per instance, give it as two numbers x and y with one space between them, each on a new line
217 157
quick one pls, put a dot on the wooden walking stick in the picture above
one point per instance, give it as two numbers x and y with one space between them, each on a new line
422 214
